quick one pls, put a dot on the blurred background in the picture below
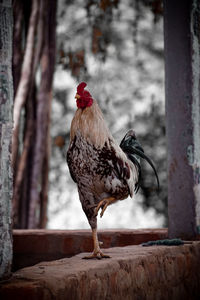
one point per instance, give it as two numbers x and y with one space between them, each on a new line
117 48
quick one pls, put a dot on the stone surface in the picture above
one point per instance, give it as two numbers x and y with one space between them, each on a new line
33 246
133 272
182 90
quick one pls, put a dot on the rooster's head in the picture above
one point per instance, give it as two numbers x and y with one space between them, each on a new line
83 97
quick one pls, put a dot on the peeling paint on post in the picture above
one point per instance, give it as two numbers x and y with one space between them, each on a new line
195 35
182 65
6 124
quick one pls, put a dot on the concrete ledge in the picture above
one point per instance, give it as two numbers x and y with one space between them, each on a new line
133 272
33 246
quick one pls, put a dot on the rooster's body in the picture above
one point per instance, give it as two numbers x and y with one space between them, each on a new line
104 173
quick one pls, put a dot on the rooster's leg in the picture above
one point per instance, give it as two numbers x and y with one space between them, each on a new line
104 204
97 253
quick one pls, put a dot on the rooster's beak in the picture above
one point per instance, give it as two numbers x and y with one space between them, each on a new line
77 96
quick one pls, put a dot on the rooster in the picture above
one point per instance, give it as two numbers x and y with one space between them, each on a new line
104 171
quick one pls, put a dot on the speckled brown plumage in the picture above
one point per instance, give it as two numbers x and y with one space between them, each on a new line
99 173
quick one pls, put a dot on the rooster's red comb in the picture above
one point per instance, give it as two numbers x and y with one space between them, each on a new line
81 87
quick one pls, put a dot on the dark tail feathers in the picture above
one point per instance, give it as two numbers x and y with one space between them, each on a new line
134 152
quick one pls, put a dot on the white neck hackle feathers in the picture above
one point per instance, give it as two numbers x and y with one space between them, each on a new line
89 122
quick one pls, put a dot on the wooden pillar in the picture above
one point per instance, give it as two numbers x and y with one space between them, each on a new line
182 69
6 124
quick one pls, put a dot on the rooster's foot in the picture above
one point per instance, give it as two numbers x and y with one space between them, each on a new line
103 204
97 255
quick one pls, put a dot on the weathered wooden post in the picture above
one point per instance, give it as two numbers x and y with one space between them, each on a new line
182 65
6 124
